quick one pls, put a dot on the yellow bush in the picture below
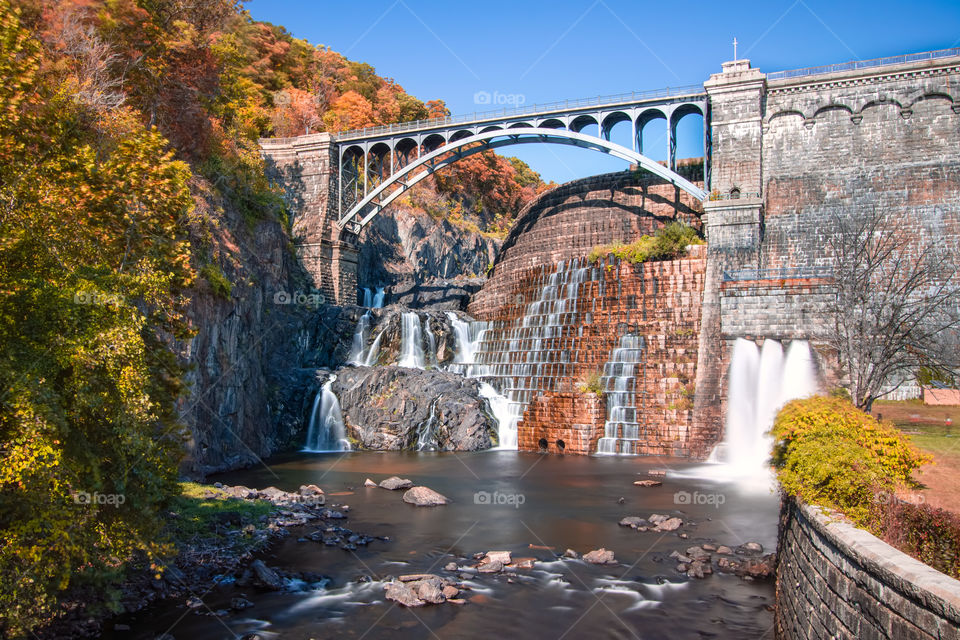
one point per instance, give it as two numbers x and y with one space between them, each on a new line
828 452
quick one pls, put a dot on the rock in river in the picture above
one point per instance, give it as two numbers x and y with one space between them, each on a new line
599 556
425 497
393 483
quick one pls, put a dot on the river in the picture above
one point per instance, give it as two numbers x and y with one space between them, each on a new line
503 500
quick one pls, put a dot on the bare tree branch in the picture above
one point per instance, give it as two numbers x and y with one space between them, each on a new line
895 307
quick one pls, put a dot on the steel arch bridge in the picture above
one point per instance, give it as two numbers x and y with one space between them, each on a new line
378 164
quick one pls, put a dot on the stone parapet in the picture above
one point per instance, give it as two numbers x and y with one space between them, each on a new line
837 581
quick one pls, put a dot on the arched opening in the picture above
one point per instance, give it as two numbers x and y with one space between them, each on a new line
735 193
621 132
586 125
652 135
688 141
542 444
433 142
561 445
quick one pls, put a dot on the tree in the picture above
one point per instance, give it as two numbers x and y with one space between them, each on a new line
895 305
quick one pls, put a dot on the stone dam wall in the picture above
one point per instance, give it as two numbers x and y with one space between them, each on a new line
837 581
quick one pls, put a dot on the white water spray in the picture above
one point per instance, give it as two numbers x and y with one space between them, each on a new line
326 431
411 347
760 383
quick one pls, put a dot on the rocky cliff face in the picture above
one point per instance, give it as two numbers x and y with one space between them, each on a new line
422 261
399 408
246 347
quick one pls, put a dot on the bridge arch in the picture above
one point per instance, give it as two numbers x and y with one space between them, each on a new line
445 155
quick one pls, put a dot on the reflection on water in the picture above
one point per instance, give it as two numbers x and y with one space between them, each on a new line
567 502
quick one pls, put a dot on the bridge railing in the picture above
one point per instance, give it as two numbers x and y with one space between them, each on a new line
562 105
864 64
784 273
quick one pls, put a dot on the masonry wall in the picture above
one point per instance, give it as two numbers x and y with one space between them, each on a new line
844 144
837 581
659 301
305 168
570 220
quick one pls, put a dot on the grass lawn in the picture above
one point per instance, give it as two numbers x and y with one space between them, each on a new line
935 430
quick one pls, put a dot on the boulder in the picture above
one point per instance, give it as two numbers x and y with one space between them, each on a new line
425 497
750 548
502 556
570 553
307 490
430 591
493 566
265 576
599 556
647 483
633 522
670 524
385 407
393 483
239 603
369 483
757 567
723 549
402 593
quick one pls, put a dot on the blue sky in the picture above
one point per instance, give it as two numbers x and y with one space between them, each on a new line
542 51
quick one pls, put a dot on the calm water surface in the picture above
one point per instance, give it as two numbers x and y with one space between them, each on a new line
567 502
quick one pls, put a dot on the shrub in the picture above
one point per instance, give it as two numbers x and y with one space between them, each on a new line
828 452
931 535
591 383
668 243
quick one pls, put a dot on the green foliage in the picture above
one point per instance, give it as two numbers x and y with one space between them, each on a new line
94 265
668 243
591 383
219 282
201 508
828 452
928 377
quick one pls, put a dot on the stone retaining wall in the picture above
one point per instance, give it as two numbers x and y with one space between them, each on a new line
837 581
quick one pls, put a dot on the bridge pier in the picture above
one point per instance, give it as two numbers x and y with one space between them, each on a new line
306 168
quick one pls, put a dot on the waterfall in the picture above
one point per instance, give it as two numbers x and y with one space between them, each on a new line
411 347
466 337
503 414
431 347
326 431
358 348
374 353
760 382
427 432
621 431
373 300
519 362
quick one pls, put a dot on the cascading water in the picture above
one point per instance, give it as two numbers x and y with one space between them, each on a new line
760 382
359 346
374 353
466 336
431 347
536 356
326 431
621 431
373 299
427 432
411 347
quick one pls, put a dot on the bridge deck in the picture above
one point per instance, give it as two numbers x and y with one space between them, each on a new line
564 107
